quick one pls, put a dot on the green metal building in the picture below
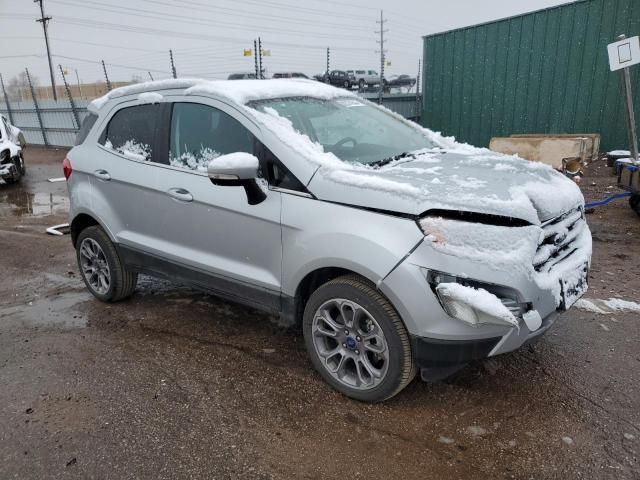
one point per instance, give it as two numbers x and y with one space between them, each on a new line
543 72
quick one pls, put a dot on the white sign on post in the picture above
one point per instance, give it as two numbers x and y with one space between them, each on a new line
624 53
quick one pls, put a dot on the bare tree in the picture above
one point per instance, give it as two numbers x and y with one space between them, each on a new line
18 86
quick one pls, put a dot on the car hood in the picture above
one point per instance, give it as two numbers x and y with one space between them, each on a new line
463 180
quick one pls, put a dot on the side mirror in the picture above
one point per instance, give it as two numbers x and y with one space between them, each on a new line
233 167
237 169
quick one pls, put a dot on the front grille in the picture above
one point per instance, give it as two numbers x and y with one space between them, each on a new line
517 309
558 240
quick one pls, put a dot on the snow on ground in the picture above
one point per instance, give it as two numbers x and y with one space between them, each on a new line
605 307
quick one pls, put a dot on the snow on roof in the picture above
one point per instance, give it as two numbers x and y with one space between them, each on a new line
238 91
170 83
245 91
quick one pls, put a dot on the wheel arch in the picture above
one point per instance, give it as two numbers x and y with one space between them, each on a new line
82 221
293 307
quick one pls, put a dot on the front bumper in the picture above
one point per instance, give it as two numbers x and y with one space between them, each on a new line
8 170
430 353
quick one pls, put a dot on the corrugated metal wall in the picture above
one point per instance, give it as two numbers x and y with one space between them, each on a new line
544 72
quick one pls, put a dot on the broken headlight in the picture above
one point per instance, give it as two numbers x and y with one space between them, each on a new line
475 302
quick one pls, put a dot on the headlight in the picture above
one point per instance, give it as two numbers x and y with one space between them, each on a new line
476 302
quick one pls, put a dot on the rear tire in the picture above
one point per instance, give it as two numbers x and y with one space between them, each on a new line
369 358
101 268
362 83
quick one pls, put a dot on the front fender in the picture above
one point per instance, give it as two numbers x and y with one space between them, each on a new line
317 234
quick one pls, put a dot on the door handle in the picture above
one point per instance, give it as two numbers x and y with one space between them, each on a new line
180 194
102 175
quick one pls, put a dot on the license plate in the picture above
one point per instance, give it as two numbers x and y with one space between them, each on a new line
574 286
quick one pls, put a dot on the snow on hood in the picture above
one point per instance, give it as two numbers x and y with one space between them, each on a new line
453 176
462 180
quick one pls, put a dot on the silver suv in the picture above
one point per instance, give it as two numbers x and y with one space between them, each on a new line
397 250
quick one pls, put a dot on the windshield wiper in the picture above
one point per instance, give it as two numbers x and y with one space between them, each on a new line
386 161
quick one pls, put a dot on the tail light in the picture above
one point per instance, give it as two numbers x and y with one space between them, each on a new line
66 168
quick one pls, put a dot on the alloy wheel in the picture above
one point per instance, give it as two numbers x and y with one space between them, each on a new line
350 344
94 266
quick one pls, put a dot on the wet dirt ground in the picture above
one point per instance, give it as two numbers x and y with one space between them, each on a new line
177 384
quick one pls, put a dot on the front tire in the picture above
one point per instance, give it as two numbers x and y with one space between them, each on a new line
357 341
103 272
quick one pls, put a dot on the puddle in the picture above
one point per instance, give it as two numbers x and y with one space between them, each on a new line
60 309
17 202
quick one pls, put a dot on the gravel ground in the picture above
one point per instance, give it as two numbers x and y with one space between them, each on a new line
177 384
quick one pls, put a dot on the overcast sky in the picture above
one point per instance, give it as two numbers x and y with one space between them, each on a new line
208 37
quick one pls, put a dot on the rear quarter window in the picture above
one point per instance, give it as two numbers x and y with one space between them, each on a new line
131 131
85 128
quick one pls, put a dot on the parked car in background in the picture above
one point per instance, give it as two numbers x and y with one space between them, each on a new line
365 77
338 78
12 143
395 249
289 75
242 76
399 81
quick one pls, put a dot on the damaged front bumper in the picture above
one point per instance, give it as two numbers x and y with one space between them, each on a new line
8 170
446 338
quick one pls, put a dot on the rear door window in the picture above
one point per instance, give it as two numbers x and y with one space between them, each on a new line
201 133
131 131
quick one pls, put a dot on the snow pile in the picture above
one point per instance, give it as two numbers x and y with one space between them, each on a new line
480 300
197 162
150 97
245 91
605 307
619 153
132 149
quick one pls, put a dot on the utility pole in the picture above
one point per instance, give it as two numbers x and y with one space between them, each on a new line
78 82
328 56
104 69
173 66
261 77
45 20
382 51
150 76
